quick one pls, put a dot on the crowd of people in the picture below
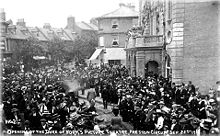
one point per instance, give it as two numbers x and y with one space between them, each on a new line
155 103
39 100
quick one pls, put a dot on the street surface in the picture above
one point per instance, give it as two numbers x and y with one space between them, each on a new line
103 114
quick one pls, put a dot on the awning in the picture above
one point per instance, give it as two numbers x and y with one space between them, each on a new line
95 54
115 54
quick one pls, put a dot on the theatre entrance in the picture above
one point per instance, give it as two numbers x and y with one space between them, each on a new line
151 68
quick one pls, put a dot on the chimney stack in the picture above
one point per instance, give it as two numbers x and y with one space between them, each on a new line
47 26
21 22
122 5
71 23
2 15
128 5
131 6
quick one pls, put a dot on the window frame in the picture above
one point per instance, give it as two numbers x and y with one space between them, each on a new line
115 23
101 42
115 38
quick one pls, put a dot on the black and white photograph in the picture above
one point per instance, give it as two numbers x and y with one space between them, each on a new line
110 67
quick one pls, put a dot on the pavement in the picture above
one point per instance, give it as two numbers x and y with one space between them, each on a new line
99 103
105 114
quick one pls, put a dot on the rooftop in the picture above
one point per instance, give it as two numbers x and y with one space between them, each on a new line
123 11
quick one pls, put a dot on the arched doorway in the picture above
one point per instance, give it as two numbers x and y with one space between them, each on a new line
151 68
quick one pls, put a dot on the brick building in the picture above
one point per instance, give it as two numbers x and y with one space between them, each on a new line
177 39
112 35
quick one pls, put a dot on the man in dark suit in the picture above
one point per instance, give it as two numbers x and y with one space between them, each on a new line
105 96
178 96
194 106
34 119
173 89
191 87
44 125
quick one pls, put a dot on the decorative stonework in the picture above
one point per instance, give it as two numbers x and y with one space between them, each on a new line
175 48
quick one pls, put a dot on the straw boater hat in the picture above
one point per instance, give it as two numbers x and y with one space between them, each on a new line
55 116
161 102
43 120
14 110
159 111
24 88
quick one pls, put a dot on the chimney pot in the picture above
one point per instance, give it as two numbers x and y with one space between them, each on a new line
47 26
131 6
21 22
121 4
71 23
2 15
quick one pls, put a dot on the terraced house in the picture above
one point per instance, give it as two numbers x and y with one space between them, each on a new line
14 35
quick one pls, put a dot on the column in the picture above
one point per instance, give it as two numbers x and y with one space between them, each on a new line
133 65
140 56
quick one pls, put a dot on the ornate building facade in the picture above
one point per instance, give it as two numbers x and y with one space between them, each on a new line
145 43
176 39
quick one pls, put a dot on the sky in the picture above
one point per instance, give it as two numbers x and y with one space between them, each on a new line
55 12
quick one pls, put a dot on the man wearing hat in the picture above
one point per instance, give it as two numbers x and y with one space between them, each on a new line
116 121
191 88
160 120
194 106
150 121
43 125
122 107
175 126
129 108
34 118
63 112
105 96
27 125
139 118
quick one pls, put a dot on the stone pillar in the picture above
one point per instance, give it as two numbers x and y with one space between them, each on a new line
133 66
140 56
175 48
127 62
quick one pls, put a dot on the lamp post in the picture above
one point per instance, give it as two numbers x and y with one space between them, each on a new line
164 40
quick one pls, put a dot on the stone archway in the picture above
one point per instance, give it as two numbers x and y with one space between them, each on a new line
151 68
